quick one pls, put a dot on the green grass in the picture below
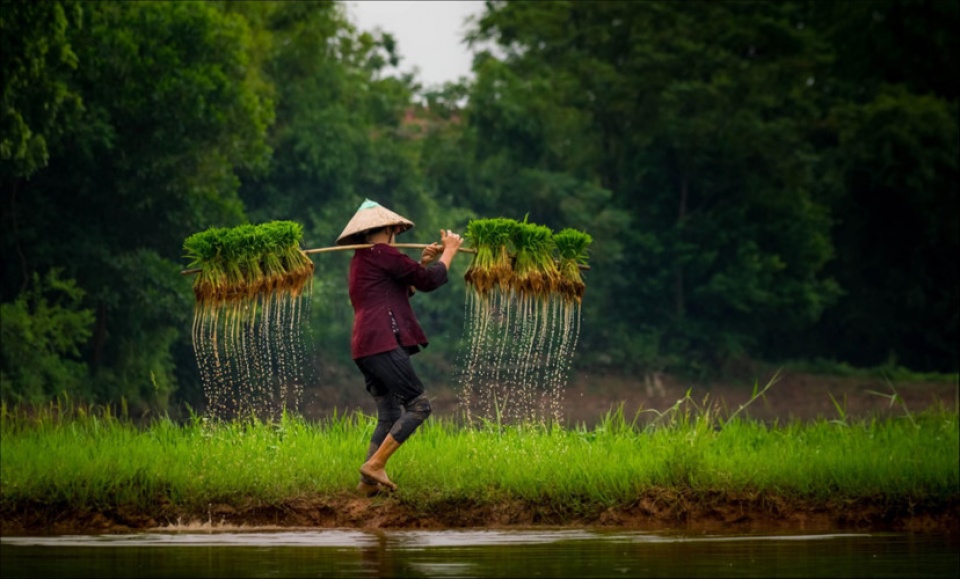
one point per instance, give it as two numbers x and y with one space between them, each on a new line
82 458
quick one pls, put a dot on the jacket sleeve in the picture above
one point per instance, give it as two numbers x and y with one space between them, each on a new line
409 272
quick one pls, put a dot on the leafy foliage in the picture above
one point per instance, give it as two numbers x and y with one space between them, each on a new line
760 180
42 331
36 58
168 117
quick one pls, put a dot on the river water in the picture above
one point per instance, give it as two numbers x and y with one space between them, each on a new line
480 553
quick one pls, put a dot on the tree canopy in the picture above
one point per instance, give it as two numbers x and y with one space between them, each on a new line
762 180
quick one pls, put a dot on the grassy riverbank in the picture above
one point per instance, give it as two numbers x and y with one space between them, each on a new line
67 461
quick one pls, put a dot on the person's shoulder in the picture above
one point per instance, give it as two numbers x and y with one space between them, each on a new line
385 249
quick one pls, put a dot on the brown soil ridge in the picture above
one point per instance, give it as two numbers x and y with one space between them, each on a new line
655 510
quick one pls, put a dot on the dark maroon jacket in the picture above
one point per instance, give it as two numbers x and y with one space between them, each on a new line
380 278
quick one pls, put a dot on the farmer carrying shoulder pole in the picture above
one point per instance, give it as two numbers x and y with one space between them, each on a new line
386 331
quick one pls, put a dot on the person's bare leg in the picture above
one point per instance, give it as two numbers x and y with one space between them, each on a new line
367 486
375 465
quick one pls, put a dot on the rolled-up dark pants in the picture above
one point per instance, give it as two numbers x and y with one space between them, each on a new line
393 383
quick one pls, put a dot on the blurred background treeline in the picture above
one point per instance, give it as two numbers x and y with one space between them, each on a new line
765 182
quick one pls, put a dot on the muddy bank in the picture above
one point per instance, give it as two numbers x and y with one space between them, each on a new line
654 511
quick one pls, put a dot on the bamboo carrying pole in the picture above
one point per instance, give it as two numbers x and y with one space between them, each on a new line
367 245
357 246
364 246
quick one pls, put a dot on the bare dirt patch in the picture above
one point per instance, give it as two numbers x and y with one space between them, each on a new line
793 396
591 395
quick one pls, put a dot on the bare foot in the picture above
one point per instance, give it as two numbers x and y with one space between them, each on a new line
368 490
378 474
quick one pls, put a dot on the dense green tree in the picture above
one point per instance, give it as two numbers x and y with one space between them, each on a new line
168 114
897 233
762 179
37 60
42 332
889 165
690 117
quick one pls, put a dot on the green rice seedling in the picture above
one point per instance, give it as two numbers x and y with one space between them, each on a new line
298 266
521 339
291 269
204 251
477 273
571 246
502 272
252 246
272 260
491 266
273 269
248 260
233 261
535 271
250 277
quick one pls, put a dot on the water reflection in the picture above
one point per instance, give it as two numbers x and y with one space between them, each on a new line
480 553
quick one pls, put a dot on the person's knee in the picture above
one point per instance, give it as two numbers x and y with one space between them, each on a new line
420 407
388 411
418 410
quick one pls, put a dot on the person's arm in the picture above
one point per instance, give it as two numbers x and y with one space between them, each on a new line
429 255
451 244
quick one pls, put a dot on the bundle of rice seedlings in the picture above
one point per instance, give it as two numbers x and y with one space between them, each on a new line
535 271
247 261
297 266
491 265
253 249
204 251
272 261
571 246
237 258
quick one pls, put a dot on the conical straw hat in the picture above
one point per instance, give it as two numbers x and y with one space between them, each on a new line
371 215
